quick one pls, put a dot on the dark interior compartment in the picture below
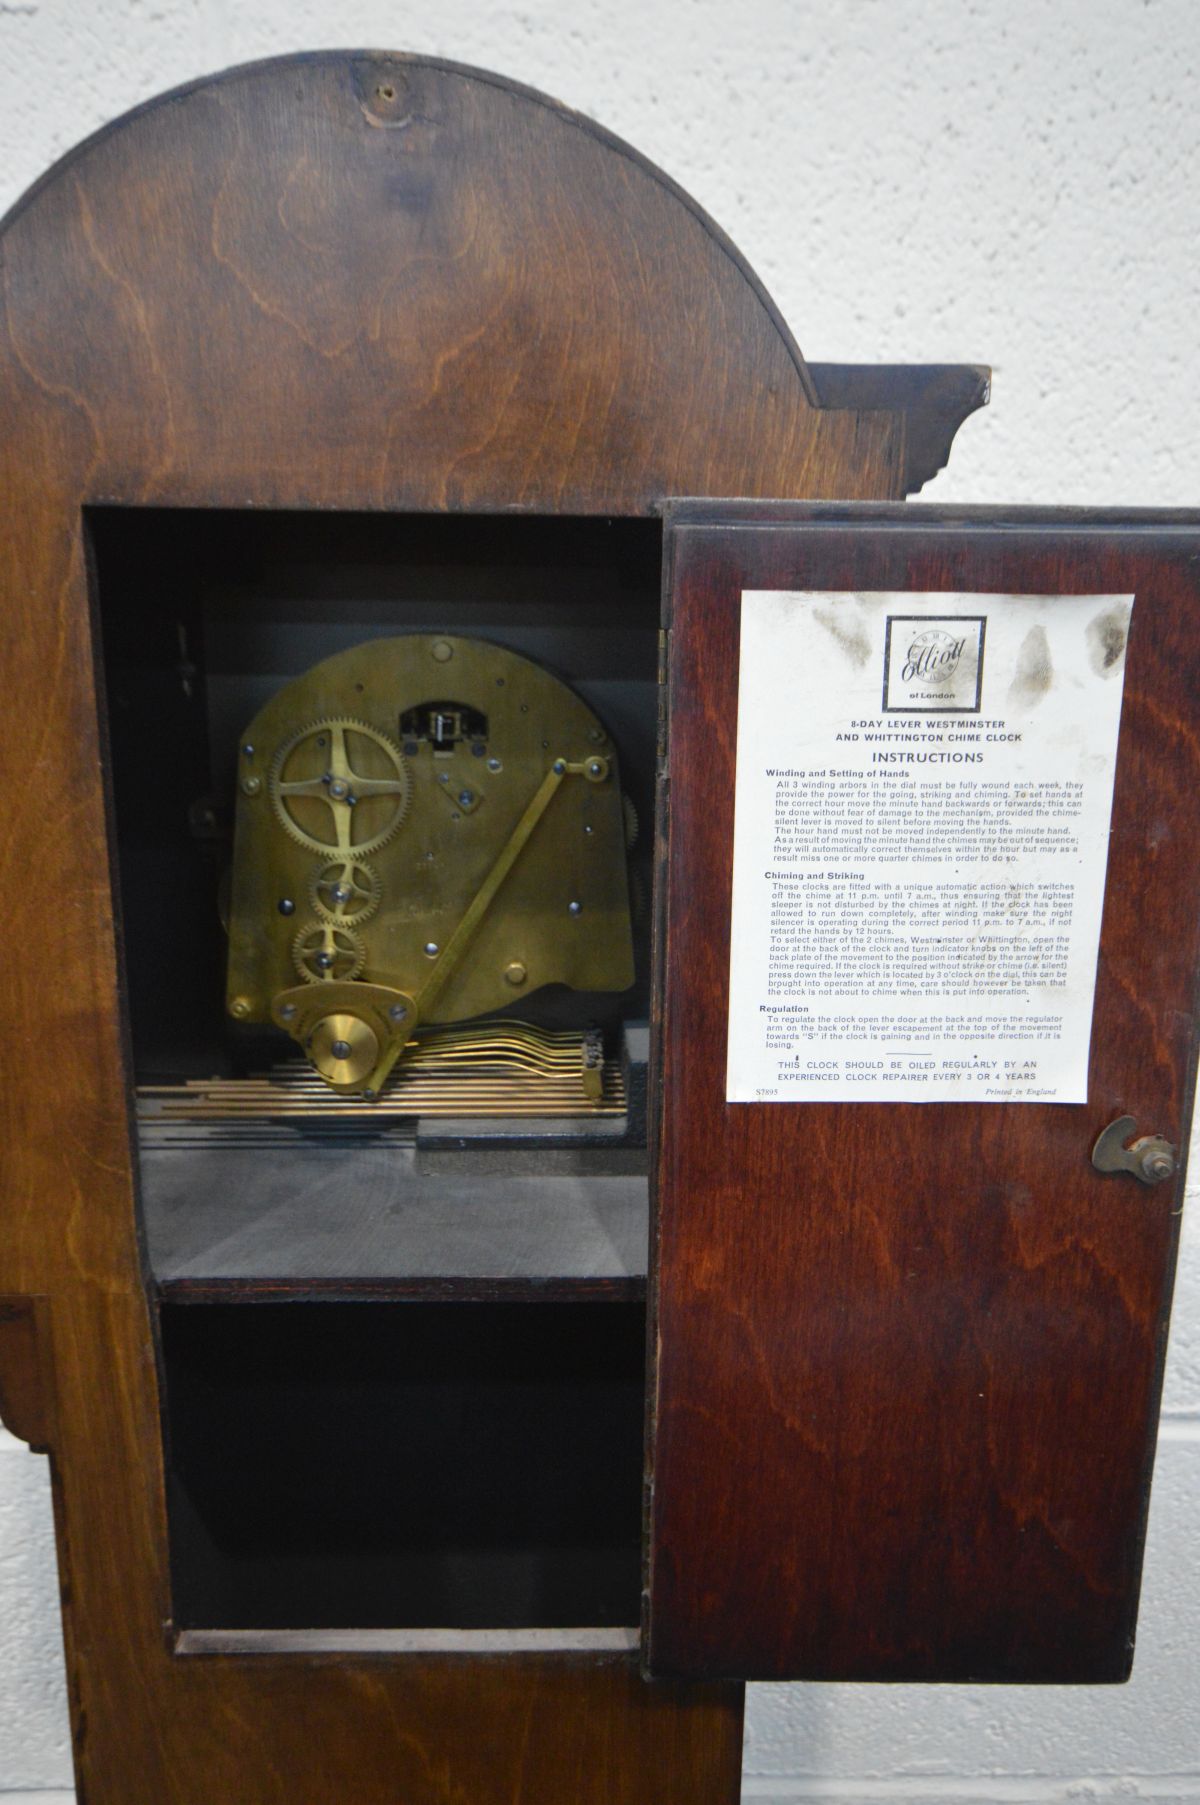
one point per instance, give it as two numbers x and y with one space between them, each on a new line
398 1465
368 1454
204 614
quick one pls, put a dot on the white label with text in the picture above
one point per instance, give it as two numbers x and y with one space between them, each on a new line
923 798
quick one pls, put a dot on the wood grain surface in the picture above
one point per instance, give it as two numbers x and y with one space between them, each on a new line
26 1383
329 282
909 1357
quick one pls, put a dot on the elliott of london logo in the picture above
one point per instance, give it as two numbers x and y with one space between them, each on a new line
933 663
933 656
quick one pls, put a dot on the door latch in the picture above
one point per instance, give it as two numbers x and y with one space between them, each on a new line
1149 1159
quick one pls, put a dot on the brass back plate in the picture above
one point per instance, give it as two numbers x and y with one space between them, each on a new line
377 794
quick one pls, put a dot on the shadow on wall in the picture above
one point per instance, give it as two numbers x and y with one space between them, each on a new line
919 1744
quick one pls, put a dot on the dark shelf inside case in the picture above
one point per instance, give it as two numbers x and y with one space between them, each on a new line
404 1465
386 1218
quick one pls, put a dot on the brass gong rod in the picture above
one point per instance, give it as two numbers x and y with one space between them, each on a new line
461 938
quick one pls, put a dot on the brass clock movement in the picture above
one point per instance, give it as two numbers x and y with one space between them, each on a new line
429 829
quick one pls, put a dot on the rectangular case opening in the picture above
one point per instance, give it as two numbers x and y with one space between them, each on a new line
441 1430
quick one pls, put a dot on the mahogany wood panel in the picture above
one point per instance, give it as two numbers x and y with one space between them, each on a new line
909 1356
26 1387
283 288
330 282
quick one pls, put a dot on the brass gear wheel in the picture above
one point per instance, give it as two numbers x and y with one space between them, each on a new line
346 892
630 816
324 950
340 787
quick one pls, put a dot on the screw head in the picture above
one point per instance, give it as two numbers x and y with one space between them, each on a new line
239 1008
432 948
397 1012
247 751
340 1049
286 1011
251 786
516 972
493 764
574 908
558 767
286 906
466 798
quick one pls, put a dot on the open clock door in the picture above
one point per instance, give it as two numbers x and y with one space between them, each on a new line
908 1338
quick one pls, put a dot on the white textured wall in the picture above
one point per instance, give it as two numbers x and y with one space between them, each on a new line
1006 181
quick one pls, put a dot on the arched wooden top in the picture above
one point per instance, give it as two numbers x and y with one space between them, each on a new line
369 280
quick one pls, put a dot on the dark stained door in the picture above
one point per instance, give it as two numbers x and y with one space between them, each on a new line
908 1357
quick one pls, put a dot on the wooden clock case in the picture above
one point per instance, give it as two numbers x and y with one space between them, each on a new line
335 337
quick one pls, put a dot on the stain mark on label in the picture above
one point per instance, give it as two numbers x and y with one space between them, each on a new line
1035 670
851 635
1106 638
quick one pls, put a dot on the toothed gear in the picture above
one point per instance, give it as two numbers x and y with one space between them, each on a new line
314 783
324 951
631 822
346 892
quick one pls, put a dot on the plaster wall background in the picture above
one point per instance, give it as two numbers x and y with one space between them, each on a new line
1002 181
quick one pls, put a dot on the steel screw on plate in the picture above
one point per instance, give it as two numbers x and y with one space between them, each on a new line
432 948
247 751
239 1008
286 1011
397 1012
251 786
574 908
286 906
341 1049
466 798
